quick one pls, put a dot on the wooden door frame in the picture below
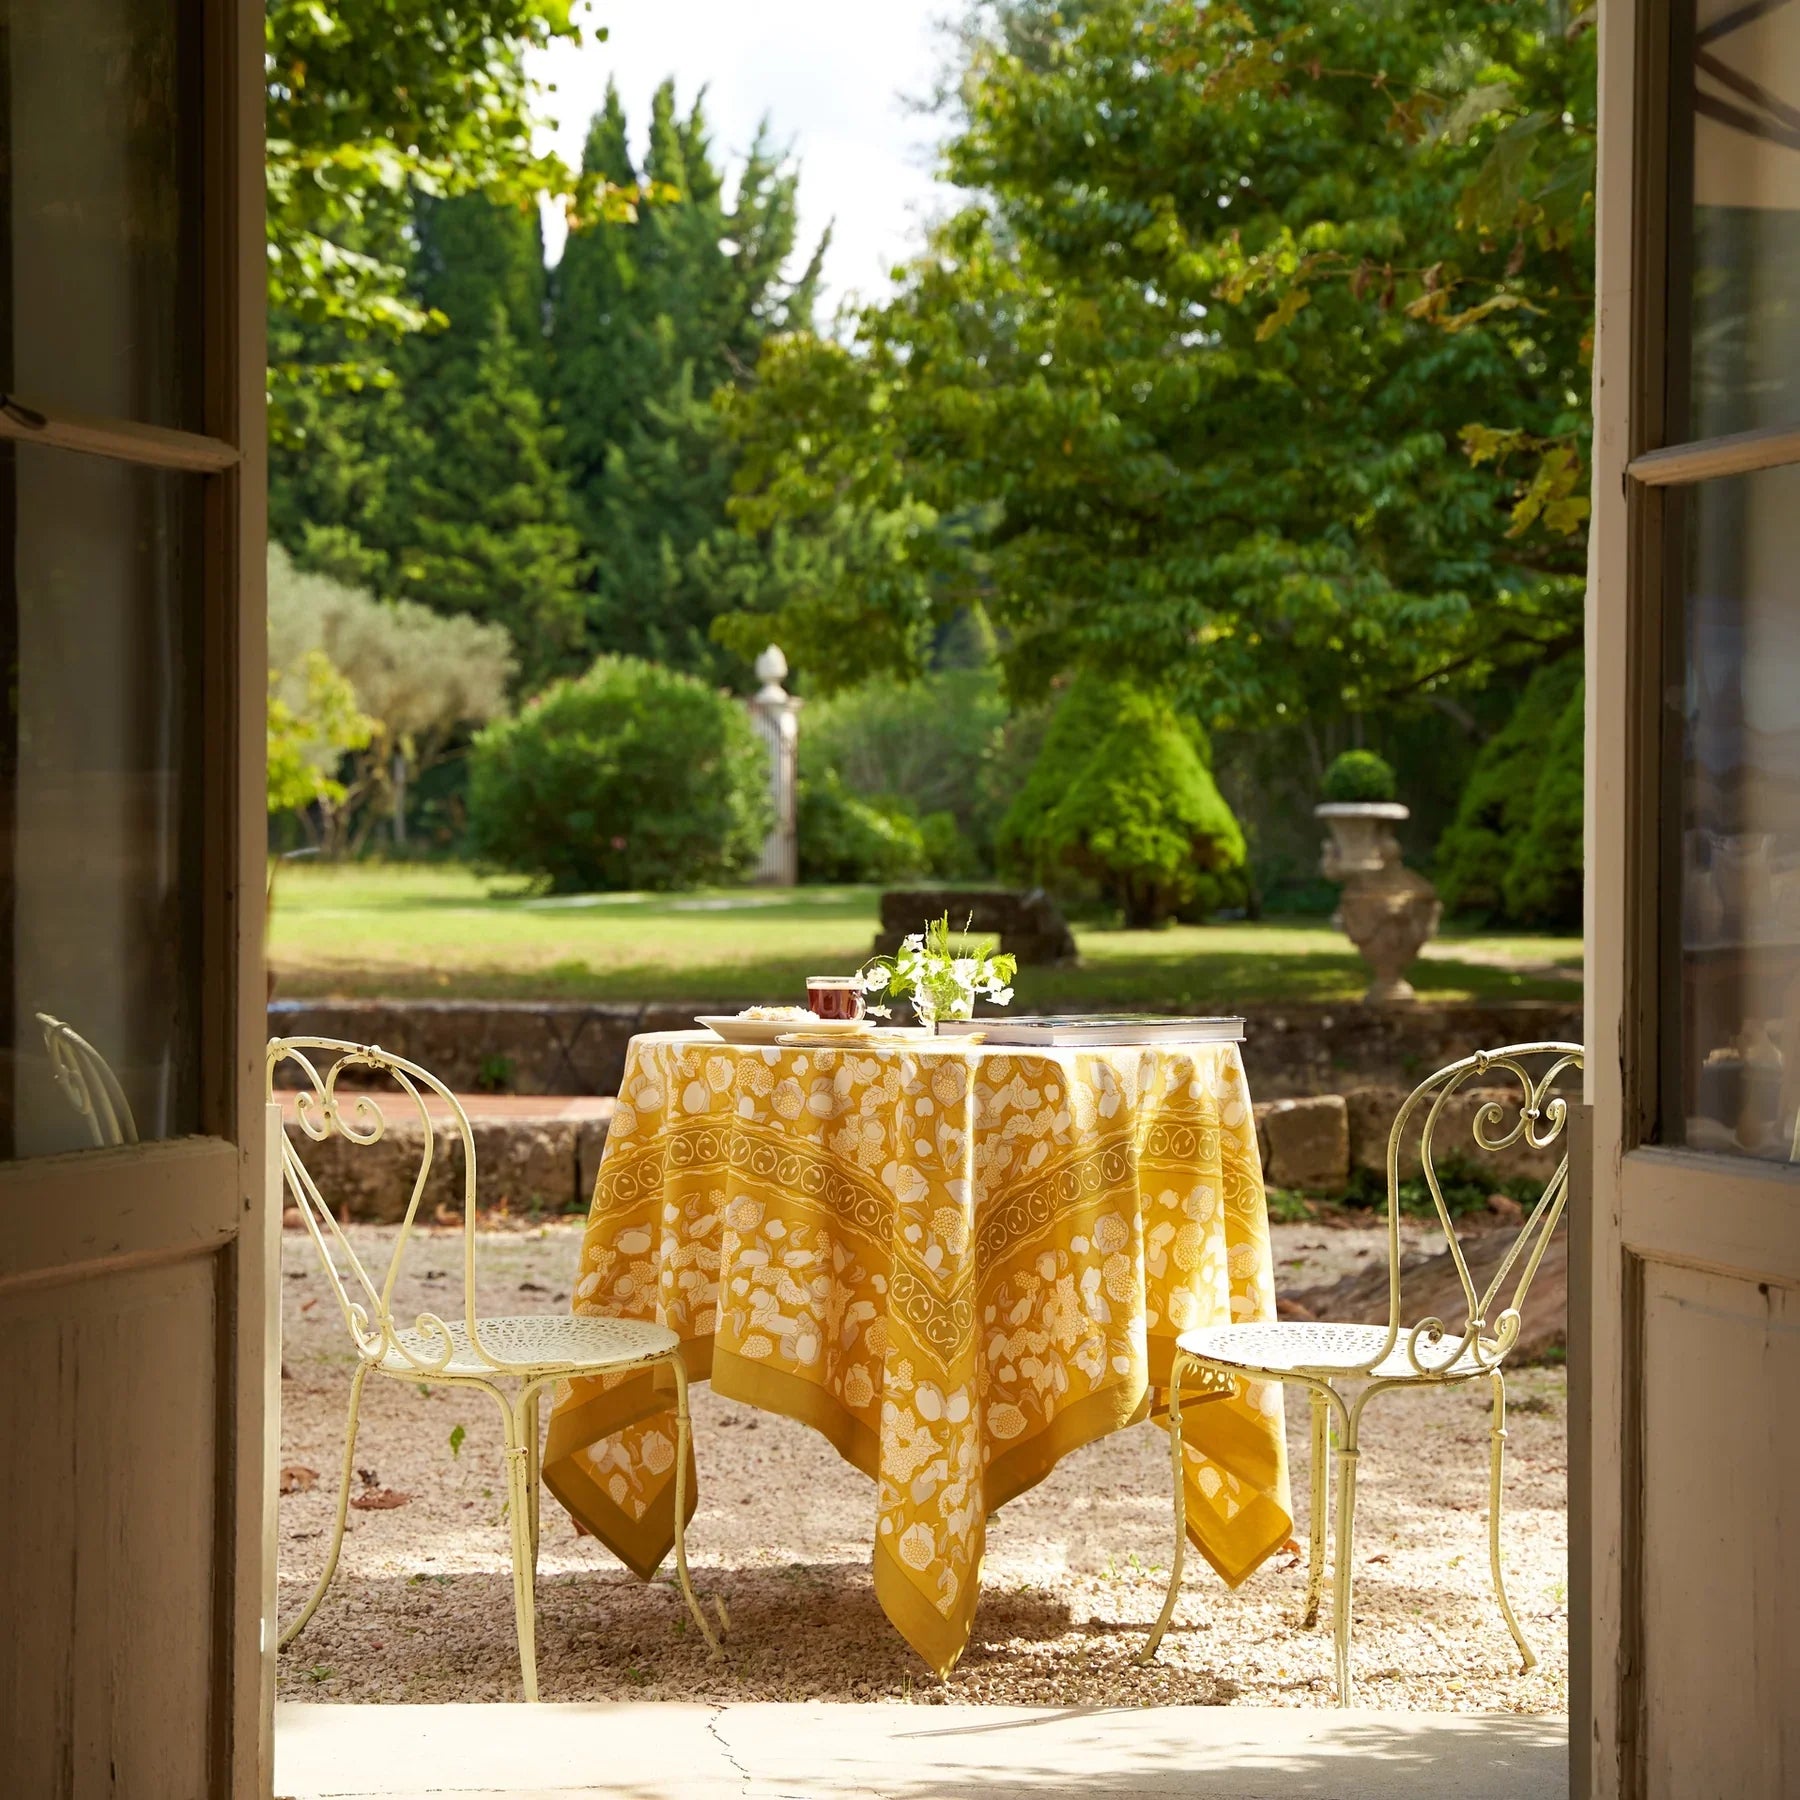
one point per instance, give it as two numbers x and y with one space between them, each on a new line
208 1195
1597 1588
237 311
1641 1193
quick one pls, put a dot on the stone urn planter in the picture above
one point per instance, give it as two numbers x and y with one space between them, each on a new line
1388 911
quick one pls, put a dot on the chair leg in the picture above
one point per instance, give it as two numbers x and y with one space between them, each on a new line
1343 1555
683 1438
1178 1467
343 1502
1321 1487
1496 1473
518 1521
533 1468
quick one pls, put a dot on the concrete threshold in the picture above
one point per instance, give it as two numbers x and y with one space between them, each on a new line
807 1750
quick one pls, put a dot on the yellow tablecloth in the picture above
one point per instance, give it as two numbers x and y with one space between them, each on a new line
957 1262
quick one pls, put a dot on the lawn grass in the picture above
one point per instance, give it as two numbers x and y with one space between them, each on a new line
431 931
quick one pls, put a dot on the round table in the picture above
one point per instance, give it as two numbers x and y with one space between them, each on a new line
959 1262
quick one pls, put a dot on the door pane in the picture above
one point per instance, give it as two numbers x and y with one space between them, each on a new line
1733 1053
100 617
100 207
1745 292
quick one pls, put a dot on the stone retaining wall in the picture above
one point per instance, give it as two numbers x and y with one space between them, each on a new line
579 1048
527 1163
1313 1145
545 1161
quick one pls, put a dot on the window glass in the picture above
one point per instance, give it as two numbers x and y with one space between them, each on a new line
99 208
1744 350
1734 1069
100 619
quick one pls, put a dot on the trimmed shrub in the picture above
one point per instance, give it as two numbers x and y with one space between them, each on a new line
1358 777
630 776
1121 797
919 747
844 837
1543 879
1475 853
948 854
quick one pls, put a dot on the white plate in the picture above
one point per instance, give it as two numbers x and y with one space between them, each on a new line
734 1028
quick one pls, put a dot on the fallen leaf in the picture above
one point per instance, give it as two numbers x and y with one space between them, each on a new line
379 1500
1378 1557
296 1480
532 1287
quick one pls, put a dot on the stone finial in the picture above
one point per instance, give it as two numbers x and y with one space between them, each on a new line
775 713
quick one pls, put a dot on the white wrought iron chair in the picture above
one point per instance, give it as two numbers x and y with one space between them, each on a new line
510 1359
1324 1357
88 1083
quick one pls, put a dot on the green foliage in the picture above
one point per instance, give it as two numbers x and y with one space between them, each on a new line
424 678
1494 820
1544 877
370 102
654 315
1358 775
1464 1182
1181 389
630 776
480 519
933 744
949 855
445 485
1120 796
313 720
845 836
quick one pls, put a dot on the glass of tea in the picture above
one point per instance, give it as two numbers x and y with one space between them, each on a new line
835 996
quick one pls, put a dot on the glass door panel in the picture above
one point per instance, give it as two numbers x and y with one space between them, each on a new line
100 845
1744 218
99 225
1732 1069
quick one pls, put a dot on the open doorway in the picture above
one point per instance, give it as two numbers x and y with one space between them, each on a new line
1013 488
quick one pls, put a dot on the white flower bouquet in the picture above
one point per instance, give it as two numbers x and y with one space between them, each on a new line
940 982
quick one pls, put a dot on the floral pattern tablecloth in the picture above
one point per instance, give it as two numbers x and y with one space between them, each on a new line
957 1262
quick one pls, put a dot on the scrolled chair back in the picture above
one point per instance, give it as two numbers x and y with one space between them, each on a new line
1531 1112
88 1083
356 1116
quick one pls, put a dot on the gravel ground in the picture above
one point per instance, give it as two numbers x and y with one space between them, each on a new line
421 1608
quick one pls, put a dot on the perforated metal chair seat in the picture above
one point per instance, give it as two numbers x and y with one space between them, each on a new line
534 1345
1303 1347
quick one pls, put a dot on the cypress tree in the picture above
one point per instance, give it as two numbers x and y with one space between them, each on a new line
651 318
479 520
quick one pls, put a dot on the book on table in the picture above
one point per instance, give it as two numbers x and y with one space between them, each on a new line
1097 1029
